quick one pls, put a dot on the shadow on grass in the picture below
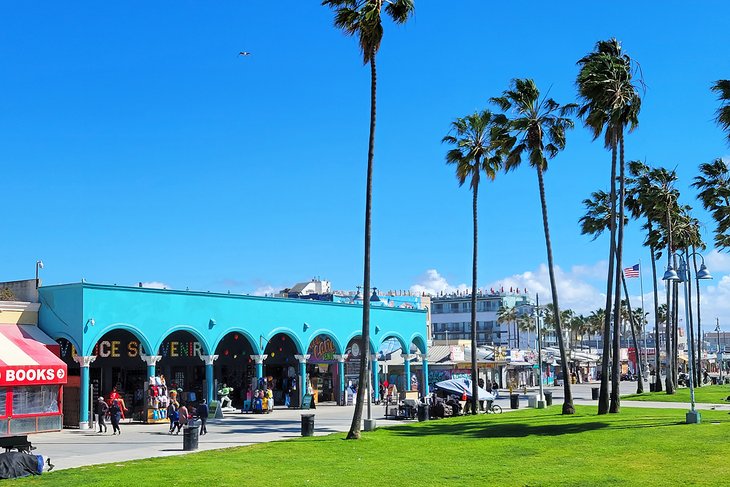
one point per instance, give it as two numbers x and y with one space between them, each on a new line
492 430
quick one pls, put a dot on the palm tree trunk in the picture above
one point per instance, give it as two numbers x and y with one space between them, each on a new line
668 331
474 372
675 330
657 355
568 402
363 380
639 365
691 338
699 320
603 398
615 406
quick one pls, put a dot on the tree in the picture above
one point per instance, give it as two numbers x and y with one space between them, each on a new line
507 316
363 18
611 103
475 152
537 130
594 222
713 184
722 88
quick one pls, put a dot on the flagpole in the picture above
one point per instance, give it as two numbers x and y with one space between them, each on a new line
643 319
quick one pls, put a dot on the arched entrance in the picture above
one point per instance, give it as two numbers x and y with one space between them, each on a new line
281 369
182 366
118 365
323 370
234 366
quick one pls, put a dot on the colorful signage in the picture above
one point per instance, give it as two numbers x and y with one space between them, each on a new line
32 375
322 349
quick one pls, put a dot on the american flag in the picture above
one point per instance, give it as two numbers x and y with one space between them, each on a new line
632 272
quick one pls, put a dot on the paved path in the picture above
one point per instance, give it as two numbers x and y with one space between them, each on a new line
74 448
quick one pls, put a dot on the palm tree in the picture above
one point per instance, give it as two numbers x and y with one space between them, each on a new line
610 104
526 323
595 221
506 316
538 131
363 18
722 88
475 152
713 184
640 203
595 322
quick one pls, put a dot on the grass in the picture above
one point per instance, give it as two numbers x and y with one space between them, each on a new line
704 394
526 447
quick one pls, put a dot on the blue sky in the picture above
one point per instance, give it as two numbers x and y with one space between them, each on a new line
135 144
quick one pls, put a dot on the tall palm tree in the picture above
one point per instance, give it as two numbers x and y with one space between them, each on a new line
507 316
537 130
475 152
611 103
594 222
713 184
595 321
640 204
364 19
722 88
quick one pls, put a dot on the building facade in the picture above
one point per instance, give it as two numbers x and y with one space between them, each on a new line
451 319
116 337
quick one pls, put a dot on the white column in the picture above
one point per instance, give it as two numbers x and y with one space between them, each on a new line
84 362
341 373
208 360
302 375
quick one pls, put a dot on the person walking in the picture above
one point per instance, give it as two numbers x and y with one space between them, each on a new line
115 414
202 412
172 415
183 418
101 410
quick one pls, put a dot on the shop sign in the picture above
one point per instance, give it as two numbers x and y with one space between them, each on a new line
31 375
322 349
457 353
132 349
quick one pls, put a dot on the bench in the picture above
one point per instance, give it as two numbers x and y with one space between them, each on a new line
19 443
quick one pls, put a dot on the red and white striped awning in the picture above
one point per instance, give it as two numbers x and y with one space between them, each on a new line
27 357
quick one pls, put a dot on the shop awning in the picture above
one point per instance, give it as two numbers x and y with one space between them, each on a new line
26 358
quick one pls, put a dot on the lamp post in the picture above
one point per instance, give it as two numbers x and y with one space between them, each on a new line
693 416
38 265
719 353
536 309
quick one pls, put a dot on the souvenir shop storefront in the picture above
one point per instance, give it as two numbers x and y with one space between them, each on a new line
32 375
119 337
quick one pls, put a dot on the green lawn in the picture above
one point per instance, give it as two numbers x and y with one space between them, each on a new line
704 394
527 447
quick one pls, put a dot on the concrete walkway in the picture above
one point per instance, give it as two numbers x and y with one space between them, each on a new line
74 448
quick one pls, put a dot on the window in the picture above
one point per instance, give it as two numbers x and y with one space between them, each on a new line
438 308
3 392
35 400
454 307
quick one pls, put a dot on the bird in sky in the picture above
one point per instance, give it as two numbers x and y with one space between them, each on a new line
244 53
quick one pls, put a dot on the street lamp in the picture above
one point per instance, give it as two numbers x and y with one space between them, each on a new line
38 265
693 416
719 353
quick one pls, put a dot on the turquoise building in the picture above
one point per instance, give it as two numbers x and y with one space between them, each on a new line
118 337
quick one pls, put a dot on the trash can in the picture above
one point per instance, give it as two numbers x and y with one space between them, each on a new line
594 393
548 398
652 387
423 412
514 401
190 438
307 424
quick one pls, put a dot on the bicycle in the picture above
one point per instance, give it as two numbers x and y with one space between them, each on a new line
493 408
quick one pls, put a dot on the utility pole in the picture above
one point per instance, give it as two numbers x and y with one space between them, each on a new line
719 353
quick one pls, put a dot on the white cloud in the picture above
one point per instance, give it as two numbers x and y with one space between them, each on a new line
155 285
717 261
583 289
431 282
264 290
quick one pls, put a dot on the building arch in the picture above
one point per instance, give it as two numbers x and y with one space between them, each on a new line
419 342
289 333
60 335
328 333
187 328
247 334
397 336
138 334
357 334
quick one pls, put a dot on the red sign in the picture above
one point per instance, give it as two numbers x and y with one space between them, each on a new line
32 375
